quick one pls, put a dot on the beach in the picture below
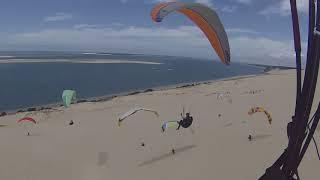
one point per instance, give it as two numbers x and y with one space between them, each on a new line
217 146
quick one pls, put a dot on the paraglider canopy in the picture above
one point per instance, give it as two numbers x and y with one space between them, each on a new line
28 119
205 18
260 109
67 97
133 111
169 124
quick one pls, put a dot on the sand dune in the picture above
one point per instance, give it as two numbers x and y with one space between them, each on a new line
96 148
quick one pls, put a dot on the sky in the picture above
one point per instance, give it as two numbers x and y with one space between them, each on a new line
259 31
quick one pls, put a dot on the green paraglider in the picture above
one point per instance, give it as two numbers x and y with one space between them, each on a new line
169 124
67 97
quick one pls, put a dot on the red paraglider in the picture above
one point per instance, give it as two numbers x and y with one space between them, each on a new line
27 119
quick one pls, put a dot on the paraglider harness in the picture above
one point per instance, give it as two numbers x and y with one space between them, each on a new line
71 123
301 129
186 121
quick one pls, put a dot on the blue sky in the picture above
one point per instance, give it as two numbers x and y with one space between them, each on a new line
259 31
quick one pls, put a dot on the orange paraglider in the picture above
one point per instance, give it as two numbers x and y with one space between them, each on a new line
205 18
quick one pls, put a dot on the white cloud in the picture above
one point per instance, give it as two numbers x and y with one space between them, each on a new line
156 1
261 50
244 1
83 26
261 46
185 40
206 2
181 41
242 31
283 8
229 9
58 17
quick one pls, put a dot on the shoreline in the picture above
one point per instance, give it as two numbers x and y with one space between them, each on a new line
95 147
122 94
139 91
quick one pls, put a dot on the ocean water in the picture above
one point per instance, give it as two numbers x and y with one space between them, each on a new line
32 84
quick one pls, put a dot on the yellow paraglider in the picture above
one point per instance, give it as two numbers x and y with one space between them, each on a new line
260 109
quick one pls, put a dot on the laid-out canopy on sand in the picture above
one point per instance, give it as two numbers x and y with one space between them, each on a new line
260 109
67 97
169 124
204 17
133 111
27 119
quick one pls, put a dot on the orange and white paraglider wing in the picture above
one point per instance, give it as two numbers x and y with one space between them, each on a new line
205 18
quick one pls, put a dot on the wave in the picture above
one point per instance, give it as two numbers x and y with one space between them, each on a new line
3 57
99 54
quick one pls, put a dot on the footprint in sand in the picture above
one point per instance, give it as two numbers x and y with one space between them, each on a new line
228 124
261 137
102 158
243 122
253 92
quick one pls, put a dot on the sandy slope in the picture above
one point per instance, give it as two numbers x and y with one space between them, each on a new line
96 148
